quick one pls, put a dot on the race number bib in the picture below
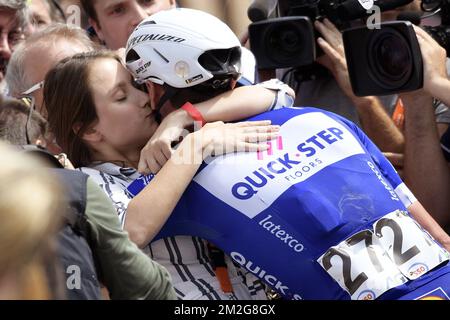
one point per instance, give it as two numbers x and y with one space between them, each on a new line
412 249
371 262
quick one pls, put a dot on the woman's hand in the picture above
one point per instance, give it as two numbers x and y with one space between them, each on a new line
219 138
158 149
215 138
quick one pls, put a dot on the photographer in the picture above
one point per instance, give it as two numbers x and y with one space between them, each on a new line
373 117
425 168
333 92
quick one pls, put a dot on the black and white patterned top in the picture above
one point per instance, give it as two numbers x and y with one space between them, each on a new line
186 258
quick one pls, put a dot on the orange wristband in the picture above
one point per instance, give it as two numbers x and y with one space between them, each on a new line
194 113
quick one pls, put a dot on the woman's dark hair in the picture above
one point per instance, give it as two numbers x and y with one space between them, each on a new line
70 104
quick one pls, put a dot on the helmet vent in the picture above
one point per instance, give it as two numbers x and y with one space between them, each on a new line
220 60
132 56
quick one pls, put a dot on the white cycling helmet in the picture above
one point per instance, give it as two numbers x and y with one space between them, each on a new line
183 48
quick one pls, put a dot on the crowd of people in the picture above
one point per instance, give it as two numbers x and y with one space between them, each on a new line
111 109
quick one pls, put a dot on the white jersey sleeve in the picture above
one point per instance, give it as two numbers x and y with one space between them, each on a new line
282 98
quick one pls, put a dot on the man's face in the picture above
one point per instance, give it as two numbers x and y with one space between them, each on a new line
118 18
48 56
10 35
40 14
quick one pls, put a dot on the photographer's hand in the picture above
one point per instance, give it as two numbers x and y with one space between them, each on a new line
436 81
373 116
334 58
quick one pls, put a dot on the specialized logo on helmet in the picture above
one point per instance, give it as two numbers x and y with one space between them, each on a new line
154 37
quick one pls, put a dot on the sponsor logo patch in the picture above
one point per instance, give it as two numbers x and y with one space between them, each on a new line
259 180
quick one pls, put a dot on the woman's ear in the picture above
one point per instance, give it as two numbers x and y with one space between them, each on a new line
91 134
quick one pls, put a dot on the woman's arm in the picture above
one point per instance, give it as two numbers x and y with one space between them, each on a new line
237 104
148 211
241 103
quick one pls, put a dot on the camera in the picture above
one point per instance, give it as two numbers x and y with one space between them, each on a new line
286 42
388 60
285 36
440 33
288 39
385 60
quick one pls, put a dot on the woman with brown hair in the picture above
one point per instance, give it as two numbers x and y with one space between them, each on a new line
102 121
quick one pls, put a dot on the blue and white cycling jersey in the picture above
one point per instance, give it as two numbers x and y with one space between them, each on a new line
321 215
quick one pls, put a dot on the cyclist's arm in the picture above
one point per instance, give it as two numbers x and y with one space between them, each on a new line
244 102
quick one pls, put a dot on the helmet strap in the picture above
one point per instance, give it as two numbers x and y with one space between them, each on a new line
169 93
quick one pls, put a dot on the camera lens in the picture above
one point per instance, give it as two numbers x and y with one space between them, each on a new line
285 42
393 58
390 59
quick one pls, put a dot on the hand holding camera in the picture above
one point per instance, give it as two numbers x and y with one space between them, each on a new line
381 60
398 57
434 62
334 59
435 82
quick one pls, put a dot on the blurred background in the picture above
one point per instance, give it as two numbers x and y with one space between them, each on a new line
232 12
